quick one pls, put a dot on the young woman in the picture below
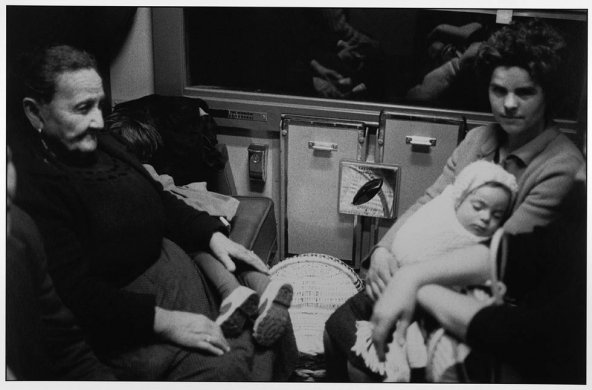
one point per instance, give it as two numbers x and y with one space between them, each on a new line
522 63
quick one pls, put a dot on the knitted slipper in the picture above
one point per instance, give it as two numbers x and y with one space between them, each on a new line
235 309
273 317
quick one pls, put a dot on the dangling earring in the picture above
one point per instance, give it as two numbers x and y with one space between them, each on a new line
43 143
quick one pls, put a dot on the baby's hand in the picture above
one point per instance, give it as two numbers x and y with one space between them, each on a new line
383 266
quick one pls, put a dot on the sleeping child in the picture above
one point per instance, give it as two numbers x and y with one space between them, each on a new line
465 215
258 301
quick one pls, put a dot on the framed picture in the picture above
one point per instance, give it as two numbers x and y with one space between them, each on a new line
368 189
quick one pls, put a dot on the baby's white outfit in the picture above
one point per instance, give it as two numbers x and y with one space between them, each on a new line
431 232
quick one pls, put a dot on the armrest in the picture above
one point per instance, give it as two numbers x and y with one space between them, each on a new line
224 181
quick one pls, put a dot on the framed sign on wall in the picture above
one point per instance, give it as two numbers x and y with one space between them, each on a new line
368 189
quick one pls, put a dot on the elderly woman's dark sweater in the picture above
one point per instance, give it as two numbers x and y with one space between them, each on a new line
103 224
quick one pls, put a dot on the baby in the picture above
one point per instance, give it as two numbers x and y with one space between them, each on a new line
260 300
465 214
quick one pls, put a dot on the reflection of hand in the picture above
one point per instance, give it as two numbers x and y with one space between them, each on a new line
190 330
349 53
331 84
326 89
224 248
382 267
326 73
340 90
454 34
470 53
394 307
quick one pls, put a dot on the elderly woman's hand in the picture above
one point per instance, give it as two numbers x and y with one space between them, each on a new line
224 249
395 307
190 330
382 267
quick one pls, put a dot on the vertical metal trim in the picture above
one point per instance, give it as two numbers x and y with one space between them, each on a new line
362 147
283 238
463 129
374 232
355 242
379 150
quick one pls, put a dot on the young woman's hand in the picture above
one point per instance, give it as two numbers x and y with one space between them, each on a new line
225 250
190 330
395 307
382 267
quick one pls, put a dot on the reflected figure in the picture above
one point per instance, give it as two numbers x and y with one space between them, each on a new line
298 51
451 55
340 71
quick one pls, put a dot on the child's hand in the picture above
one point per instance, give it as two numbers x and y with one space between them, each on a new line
224 249
382 267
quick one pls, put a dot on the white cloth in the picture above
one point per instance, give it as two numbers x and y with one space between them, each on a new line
197 196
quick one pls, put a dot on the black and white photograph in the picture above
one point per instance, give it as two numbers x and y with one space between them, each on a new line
295 193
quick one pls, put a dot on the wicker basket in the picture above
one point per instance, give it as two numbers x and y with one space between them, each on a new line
321 284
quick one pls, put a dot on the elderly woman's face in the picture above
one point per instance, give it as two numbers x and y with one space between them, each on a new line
517 102
74 115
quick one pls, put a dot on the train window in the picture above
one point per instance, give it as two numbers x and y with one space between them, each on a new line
370 54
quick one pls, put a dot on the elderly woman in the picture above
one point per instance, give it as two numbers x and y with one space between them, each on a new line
522 63
117 243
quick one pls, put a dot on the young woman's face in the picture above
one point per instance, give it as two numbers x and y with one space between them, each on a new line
74 116
483 210
517 102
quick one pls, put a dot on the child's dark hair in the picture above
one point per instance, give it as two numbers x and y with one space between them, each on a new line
137 130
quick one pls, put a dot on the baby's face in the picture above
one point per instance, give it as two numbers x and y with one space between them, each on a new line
482 211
